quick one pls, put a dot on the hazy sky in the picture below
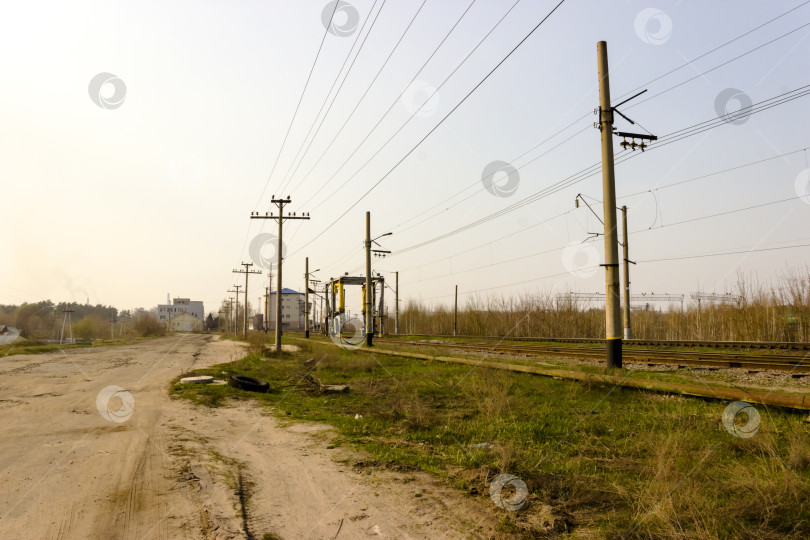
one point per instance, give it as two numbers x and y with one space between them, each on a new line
122 194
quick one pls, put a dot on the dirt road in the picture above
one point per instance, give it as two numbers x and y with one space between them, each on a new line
93 447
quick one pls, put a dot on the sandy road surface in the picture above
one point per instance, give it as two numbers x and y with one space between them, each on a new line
166 469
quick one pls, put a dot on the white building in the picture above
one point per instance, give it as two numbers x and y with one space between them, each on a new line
165 312
185 322
292 310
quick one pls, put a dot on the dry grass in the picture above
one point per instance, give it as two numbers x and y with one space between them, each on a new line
778 311
598 463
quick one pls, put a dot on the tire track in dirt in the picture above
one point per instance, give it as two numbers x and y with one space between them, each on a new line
172 469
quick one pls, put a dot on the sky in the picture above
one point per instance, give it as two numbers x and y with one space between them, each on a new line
137 138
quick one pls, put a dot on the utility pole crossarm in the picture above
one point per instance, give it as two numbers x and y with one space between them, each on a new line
247 271
236 312
280 219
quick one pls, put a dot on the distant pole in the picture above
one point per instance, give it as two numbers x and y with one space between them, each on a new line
267 298
626 254
369 300
306 297
396 303
247 271
236 313
613 332
280 219
455 315
67 311
266 309
381 311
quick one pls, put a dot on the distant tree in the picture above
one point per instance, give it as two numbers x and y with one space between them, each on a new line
84 328
210 323
146 324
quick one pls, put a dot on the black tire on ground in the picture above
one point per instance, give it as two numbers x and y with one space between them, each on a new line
248 383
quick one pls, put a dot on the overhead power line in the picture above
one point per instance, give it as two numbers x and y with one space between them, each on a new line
721 254
707 53
287 177
411 117
596 167
719 214
701 177
393 104
531 32
589 172
298 106
477 183
720 65
761 205
628 93
365 93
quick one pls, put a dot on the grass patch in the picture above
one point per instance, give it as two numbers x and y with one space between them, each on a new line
597 460
25 346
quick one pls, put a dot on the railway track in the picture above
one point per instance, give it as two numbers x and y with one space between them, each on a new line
798 364
687 344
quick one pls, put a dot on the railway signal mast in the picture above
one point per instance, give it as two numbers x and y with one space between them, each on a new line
613 322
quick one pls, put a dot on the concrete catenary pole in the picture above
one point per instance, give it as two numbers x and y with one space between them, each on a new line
306 297
396 303
613 327
626 255
455 314
369 304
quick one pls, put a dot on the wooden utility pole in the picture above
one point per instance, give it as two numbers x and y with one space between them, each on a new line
267 298
455 314
247 271
613 332
280 219
369 301
67 311
306 297
266 309
236 313
396 303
